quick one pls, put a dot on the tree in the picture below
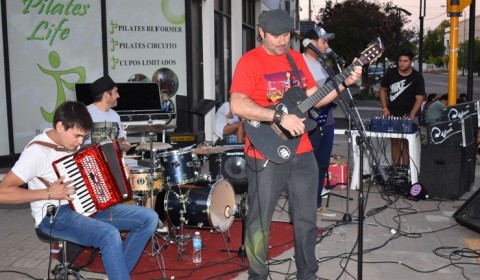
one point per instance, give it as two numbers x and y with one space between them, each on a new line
433 46
356 23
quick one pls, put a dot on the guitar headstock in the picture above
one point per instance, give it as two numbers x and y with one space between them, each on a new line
372 52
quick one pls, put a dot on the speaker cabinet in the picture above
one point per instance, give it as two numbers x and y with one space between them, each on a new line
447 172
463 110
457 132
232 166
468 215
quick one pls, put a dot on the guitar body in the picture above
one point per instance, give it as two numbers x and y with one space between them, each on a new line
274 142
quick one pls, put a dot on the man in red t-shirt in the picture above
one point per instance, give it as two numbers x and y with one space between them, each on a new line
262 78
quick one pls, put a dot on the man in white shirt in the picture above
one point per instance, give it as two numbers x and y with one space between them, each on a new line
227 124
107 123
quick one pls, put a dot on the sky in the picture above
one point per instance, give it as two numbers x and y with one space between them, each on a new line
434 12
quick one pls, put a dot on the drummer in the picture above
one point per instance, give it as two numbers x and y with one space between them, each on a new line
107 123
229 129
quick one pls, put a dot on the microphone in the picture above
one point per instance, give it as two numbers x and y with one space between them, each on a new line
335 56
51 210
307 43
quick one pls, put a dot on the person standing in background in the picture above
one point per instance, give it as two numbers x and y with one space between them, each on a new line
402 92
322 136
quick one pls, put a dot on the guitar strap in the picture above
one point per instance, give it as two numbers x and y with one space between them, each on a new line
295 69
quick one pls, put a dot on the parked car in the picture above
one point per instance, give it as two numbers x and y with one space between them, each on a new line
375 73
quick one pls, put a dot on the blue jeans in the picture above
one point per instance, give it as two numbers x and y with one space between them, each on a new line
322 142
299 178
102 231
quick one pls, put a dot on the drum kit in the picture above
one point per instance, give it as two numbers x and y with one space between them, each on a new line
171 183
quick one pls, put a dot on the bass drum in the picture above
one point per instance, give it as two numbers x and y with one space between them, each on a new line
205 205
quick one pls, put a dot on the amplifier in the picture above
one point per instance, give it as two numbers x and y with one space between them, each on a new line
184 139
387 125
453 133
462 110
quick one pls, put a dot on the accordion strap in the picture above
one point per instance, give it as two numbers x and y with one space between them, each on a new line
49 145
57 148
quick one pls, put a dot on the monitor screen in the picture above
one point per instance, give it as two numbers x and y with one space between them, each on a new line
136 97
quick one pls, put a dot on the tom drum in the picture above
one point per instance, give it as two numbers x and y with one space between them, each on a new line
139 177
179 167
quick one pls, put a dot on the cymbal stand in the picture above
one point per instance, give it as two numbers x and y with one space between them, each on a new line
152 176
219 160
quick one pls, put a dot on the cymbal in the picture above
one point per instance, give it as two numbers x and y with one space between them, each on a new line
205 150
150 128
155 145
132 156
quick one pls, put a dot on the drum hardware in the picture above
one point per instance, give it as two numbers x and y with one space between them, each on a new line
180 239
219 161
150 183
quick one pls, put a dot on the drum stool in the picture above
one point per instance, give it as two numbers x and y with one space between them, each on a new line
61 270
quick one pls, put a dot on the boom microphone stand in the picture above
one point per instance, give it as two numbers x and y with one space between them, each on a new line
361 140
242 213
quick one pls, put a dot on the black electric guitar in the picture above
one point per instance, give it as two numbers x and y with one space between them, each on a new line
276 143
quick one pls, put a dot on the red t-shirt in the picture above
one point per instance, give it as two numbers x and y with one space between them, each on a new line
264 78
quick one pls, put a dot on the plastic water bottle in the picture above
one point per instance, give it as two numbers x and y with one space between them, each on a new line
197 248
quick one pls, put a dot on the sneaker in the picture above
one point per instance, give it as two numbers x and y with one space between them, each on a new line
163 229
325 192
322 211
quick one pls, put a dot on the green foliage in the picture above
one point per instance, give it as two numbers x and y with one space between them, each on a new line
356 23
433 46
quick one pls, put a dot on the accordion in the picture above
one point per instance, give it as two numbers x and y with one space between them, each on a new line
98 175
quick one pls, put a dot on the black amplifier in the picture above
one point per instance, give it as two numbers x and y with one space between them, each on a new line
184 139
453 133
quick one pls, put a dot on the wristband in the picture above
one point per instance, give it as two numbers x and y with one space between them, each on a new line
278 117
384 109
344 84
48 192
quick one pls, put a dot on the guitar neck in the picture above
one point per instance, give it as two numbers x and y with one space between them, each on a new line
323 91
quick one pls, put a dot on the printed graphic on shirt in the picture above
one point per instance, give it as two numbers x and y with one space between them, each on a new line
279 83
397 88
105 131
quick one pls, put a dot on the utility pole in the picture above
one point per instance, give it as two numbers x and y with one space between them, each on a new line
397 25
420 42
310 10
454 11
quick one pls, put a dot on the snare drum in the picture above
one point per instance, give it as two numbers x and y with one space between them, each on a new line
178 167
205 205
139 179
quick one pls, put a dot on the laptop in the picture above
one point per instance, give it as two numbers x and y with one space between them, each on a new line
137 102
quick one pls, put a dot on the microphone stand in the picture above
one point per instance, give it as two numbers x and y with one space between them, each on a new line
361 141
347 217
241 212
